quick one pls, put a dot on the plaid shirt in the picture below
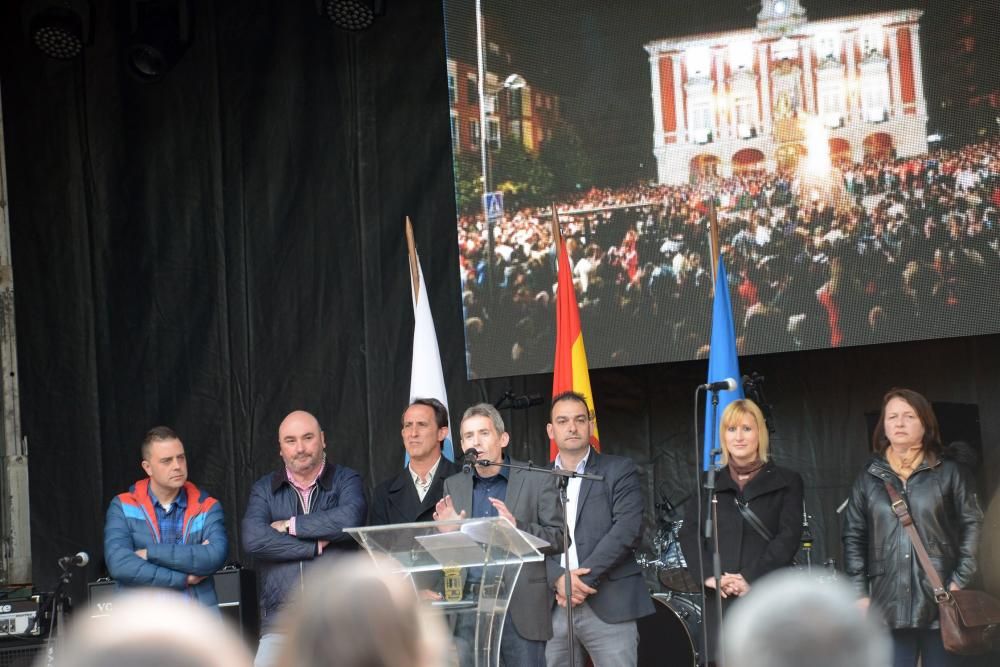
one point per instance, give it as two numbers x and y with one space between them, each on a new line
171 522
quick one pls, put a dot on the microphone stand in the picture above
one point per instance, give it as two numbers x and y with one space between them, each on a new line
712 531
59 600
807 538
564 477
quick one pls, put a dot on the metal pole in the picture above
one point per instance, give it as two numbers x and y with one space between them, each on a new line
15 555
483 144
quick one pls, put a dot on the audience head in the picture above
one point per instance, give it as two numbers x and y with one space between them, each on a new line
152 629
789 620
355 615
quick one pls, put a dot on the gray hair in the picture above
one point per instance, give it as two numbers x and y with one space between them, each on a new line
488 411
790 615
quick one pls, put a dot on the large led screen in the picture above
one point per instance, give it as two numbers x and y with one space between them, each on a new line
847 150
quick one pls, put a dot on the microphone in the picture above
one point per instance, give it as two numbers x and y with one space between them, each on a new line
79 560
469 460
526 401
729 384
807 536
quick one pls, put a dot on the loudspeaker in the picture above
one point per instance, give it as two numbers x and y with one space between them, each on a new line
20 653
235 587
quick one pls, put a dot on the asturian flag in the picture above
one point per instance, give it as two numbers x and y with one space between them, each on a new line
426 374
570 372
723 361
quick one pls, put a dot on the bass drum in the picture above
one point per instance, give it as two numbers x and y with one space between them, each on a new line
671 636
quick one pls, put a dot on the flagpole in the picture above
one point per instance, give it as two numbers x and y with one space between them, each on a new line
411 249
564 493
713 237
556 233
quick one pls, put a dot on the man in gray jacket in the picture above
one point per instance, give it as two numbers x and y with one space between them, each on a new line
527 499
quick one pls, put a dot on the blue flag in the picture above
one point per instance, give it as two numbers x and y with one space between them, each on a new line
722 361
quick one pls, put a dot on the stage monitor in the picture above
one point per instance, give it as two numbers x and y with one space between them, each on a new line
847 150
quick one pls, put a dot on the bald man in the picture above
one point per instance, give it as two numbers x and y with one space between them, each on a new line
296 516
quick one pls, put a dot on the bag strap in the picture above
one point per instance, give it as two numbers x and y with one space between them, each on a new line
751 518
902 513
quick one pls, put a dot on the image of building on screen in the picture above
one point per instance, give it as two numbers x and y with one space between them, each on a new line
729 102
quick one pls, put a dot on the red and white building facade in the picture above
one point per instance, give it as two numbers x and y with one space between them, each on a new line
730 101
526 113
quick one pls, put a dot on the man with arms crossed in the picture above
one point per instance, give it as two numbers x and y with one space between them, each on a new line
608 592
296 515
527 499
164 531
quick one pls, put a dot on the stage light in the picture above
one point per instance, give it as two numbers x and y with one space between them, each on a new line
58 28
160 31
351 14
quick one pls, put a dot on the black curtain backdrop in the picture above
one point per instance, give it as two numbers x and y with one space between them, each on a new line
215 250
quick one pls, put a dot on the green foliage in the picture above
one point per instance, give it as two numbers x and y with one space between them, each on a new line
468 183
571 166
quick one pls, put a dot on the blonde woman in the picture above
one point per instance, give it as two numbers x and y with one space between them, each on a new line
759 511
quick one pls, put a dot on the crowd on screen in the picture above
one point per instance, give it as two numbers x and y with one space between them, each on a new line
910 250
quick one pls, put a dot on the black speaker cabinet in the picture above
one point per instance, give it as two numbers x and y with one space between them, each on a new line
235 587
20 653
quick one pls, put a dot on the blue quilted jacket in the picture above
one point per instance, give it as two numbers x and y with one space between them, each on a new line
131 525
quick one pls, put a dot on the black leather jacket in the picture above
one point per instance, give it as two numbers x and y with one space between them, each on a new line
878 555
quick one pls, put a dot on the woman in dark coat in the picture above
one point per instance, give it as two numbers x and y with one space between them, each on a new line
879 557
769 491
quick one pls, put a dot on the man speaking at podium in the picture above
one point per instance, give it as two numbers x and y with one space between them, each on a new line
530 501
165 532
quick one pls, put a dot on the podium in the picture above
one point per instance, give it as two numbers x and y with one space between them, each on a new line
445 556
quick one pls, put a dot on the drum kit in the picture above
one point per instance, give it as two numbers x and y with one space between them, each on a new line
670 637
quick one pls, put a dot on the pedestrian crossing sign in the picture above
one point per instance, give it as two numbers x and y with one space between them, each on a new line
494 205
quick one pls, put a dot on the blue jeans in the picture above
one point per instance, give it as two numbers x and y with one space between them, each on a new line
908 643
516 651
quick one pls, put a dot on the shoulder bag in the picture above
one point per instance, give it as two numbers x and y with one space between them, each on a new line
970 620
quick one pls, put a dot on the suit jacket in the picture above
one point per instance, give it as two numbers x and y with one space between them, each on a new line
533 499
608 530
395 500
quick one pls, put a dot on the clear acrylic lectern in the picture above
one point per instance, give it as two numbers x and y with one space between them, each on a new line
442 555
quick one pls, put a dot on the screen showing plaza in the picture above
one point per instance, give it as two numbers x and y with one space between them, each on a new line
847 150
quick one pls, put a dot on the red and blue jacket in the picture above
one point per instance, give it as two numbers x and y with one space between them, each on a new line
131 525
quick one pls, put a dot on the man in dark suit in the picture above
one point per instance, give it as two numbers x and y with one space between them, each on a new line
608 592
411 495
527 499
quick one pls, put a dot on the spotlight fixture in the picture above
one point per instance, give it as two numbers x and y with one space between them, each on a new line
58 28
160 31
351 14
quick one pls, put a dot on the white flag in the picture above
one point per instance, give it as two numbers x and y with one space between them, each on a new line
426 374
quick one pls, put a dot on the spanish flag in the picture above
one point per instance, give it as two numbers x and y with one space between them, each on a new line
570 368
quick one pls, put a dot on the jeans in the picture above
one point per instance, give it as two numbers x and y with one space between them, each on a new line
909 643
607 644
